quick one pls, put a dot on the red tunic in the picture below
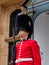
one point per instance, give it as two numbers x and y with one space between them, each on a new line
29 49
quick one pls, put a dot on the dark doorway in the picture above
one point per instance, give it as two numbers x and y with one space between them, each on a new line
13 25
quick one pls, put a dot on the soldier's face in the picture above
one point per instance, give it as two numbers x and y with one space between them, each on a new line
24 34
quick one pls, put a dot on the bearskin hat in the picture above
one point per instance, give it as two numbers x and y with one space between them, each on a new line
24 22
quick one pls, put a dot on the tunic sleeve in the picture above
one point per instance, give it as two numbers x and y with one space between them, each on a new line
36 53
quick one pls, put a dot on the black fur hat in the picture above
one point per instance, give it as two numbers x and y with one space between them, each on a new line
24 22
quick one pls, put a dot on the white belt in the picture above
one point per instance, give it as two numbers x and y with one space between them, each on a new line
23 59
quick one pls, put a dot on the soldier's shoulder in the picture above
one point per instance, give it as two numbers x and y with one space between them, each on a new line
32 40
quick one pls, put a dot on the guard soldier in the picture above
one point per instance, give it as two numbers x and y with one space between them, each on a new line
27 50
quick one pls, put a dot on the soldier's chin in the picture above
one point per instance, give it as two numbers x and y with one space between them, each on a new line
23 38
